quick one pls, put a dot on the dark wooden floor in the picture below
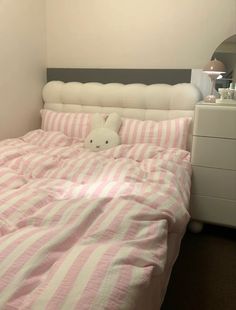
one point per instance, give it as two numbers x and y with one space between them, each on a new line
204 275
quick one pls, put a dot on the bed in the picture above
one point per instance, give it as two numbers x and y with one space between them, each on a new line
96 230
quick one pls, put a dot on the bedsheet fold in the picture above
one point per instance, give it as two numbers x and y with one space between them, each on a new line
84 230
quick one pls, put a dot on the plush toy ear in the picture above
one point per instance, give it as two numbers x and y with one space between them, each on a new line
113 122
97 121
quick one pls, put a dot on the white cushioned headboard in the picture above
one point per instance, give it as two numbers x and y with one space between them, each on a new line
146 102
153 102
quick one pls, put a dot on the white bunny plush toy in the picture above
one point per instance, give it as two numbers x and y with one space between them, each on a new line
104 134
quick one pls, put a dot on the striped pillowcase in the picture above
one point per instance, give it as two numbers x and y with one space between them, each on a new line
169 133
71 124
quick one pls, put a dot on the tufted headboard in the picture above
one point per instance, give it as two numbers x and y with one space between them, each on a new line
146 102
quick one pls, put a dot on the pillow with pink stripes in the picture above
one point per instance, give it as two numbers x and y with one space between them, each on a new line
169 133
71 124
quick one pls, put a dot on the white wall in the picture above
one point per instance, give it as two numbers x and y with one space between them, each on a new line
136 33
99 34
22 65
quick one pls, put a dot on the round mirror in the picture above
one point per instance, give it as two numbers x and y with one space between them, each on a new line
226 53
218 86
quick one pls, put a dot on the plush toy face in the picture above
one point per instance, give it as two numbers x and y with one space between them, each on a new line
104 134
101 139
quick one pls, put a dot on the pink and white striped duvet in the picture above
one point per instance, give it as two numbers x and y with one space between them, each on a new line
83 230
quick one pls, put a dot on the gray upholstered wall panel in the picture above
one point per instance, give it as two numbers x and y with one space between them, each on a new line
125 76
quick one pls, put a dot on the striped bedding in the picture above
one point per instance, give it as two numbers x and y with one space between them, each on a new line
83 230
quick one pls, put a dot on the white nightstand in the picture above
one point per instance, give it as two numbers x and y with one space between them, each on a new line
213 198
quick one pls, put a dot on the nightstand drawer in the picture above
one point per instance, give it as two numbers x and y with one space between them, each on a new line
214 182
213 152
213 121
213 210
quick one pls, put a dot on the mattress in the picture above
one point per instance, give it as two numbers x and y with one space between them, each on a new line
84 230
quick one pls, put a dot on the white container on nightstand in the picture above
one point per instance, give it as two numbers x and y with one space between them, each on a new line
213 158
